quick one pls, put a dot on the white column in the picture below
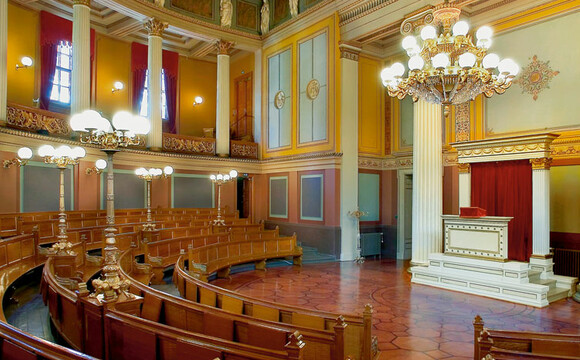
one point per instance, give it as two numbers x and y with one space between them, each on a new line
154 63
427 182
349 149
81 57
258 97
541 207
3 59
464 185
222 124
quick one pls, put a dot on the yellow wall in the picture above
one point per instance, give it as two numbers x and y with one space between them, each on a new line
371 124
239 66
564 199
113 63
23 30
196 78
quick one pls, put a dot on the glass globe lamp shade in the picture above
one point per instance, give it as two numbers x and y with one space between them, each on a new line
91 119
484 33
78 152
168 170
220 177
46 150
141 125
440 60
101 164
490 61
409 42
387 75
460 28
428 33
198 100
158 171
467 60
484 43
118 85
416 63
122 120
233 173
152 172
398 69
508 67
26 61
76 123
24 153
226 177
212 177
63 151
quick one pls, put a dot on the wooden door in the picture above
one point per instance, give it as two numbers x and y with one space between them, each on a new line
242 121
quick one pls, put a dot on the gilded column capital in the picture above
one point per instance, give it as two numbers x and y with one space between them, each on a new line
541 163
82 2
155 27
349 50
223 47
464 168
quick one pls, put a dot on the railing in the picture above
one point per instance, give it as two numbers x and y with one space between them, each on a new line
567 262
33 119
188 144
243 149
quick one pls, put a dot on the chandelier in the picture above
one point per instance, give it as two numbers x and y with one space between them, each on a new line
449 68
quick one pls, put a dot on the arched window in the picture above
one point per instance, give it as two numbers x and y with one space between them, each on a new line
145 99
62 75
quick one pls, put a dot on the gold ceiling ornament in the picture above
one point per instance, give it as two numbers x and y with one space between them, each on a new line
541 163
312 89
224 47
449 69
155 27
279 99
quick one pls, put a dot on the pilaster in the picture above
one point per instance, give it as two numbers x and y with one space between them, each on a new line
541 257
223 98
464 184
81 57
427 182
155 29
349 147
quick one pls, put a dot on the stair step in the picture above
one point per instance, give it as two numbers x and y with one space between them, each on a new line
547 282
556 294
534 276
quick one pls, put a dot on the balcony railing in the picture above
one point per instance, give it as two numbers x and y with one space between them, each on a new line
37 120
188 144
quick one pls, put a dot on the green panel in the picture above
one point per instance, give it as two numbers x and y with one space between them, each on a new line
246 16
305 4
207 10
369 195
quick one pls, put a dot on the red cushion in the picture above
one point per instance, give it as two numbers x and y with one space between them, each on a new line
472 212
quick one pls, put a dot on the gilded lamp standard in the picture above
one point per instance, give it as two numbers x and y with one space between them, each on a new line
62 156
219 180
123 132
449 69
148 175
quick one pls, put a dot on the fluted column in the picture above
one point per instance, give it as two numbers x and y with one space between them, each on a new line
81 57
3 60
464 185
222 125
349 54
427 182
154 63
541 207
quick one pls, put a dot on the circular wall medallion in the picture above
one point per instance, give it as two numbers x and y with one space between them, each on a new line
279 99
312 89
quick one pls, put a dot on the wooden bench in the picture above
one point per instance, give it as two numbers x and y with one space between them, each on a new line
529 344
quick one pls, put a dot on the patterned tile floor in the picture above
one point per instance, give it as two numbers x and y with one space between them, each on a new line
411 321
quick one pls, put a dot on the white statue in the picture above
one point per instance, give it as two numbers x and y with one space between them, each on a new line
226 9
294 8
265 26
160 3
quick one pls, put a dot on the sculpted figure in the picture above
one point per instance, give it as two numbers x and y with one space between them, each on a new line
265 26
160 3
294 8
226 10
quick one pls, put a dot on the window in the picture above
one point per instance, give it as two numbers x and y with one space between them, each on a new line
61 83
144 99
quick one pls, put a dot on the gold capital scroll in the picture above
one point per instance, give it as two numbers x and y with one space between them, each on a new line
349 50
82 2
464 168
541 163
155 27
223 47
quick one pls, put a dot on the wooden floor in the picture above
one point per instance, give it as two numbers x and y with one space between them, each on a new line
411 321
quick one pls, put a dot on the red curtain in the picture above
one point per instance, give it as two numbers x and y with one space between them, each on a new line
53 30
139 59
505 189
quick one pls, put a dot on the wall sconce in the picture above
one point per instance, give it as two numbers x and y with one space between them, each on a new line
24 154
26 62
198 101
117 86
100 165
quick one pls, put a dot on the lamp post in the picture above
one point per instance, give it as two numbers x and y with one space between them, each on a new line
62 156
219 180
123 132
149 175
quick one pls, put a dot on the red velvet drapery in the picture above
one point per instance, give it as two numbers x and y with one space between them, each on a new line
53 30
505 189
170 63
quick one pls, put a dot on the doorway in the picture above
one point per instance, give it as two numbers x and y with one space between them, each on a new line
242 122
244 196
405 214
